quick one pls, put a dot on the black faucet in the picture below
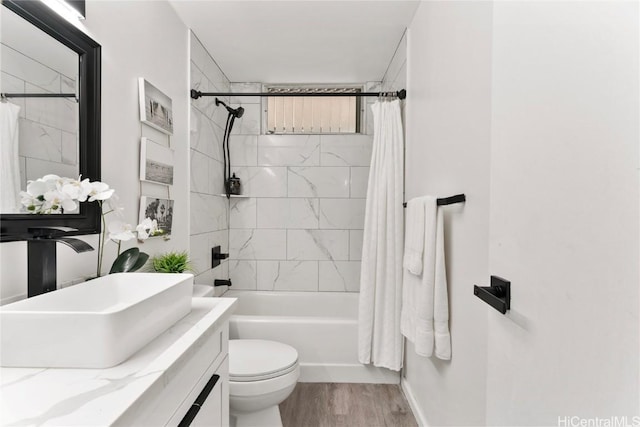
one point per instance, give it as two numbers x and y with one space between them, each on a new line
41 260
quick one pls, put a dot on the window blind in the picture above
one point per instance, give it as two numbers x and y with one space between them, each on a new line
301 114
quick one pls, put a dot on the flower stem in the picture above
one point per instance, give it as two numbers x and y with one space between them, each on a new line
101 238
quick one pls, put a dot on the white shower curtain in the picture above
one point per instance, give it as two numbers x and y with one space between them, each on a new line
9 162
380 341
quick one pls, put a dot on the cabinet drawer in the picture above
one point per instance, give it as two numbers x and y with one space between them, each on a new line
210 408
179 383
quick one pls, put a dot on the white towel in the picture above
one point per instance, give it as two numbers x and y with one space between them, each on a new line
441 297
9 161
425 305
414 235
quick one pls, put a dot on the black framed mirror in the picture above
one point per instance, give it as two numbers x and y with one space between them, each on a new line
14 226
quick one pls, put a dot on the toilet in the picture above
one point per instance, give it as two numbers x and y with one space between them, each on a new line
262 374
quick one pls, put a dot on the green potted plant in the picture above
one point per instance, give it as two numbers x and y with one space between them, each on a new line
171 262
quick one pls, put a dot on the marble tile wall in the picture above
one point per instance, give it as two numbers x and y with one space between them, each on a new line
301 226
209 209
48 127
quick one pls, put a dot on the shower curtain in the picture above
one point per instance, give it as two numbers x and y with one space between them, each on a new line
9 162
380 341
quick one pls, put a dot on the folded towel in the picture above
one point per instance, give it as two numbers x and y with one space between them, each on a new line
414 236
441 297
425 306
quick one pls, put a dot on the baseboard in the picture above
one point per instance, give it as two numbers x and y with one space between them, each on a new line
413 404
346 373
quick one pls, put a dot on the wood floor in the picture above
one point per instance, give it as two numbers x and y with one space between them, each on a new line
346 405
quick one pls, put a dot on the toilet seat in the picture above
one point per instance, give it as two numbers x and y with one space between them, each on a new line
259 360
263 388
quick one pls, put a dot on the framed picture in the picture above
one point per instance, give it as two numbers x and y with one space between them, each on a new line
156 162
155 107
159 209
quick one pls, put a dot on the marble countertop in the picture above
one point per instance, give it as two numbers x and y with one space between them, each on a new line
87 397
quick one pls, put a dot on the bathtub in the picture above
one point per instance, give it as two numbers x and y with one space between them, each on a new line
322 326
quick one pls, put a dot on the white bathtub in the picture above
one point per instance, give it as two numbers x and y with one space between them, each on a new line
322 326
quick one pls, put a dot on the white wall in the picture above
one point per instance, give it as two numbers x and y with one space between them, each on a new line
564 212
133 45
535 105
395 78
139 39
447 152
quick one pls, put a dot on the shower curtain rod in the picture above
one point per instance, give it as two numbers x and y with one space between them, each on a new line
401 94
37 95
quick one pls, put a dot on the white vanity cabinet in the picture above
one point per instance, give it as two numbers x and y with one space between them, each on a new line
197 393
211 407
158 386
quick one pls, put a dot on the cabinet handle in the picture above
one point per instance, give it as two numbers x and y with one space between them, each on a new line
190 416
193 411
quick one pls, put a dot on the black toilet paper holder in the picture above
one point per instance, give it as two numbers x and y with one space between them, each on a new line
498 295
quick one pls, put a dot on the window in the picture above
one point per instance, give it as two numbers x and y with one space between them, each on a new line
313 114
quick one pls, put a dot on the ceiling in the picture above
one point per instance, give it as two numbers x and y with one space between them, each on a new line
299 41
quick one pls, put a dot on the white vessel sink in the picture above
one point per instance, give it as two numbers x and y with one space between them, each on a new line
95 324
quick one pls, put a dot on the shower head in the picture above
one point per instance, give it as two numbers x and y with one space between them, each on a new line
238 112
235 112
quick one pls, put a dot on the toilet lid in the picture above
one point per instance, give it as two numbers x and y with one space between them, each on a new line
254 360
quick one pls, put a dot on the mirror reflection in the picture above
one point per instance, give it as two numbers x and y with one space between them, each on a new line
39 115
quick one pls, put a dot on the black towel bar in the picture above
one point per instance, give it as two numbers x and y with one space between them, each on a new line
458 198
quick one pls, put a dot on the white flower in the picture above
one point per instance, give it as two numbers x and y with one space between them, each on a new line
56 201
40 186
99 191
54 194
75 189
32 202
51 178
119 230
34 198
146 228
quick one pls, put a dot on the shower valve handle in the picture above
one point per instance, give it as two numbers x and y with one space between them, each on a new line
217 256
